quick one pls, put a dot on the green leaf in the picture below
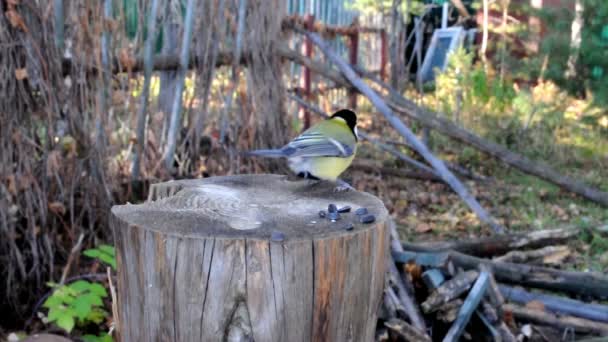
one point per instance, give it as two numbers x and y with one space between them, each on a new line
98 289
92 299
64 294
92 253
90 338
97 315
66 322
82 307
55 313
108 259
108 249
52 301
80 286
101 338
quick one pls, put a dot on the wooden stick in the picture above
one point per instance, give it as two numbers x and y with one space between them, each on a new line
448 312
409 136
468 307
405 331
580 325
596 312
532 256
408 302
430 260
582 283
499 244
140 148
451 289
73 254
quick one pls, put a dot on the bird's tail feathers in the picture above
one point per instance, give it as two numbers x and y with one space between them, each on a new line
267 153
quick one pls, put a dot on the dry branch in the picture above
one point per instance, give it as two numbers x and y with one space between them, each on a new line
580 325
546 255
404 296
468 307
556 304
581 283
500 244
406 331
451 289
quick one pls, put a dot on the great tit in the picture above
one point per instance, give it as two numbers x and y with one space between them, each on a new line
323 151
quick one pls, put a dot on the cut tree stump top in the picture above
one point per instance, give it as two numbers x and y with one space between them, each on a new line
250 206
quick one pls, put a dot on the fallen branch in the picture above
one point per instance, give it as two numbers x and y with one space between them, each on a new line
499 244
468 307
548 255
409 136
405 331
581 283
408 303
449 290
448 312
430 260
73 255
556 304
580 325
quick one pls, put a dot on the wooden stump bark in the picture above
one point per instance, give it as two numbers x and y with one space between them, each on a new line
247 257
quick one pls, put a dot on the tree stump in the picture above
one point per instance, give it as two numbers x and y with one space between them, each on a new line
248 257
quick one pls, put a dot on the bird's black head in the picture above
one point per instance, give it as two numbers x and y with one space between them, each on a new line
349 116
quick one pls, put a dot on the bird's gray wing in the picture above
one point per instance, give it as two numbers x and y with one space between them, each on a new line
316 145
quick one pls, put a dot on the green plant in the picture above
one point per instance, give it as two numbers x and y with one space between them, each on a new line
78 303
100 338
104 253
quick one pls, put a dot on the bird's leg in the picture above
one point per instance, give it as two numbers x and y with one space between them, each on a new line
343 186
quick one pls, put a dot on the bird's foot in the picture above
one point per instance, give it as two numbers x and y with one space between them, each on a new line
343 186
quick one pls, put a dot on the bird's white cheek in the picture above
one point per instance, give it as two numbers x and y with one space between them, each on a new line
357 132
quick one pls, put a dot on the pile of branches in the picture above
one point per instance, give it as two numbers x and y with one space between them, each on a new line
453 290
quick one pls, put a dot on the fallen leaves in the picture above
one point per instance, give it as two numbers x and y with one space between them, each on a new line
57 208
14 18
21 74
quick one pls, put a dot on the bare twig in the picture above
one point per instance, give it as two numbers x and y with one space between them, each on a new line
116 318
496 245
138 152
468 307
73 254
449 290
235 68
176 109
406 331
580 325
596 312
408 302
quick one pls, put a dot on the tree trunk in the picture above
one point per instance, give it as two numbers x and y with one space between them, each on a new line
248 257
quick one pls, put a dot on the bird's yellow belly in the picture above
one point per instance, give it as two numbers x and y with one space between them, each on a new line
329 168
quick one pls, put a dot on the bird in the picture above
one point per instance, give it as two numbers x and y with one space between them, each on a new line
323 151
